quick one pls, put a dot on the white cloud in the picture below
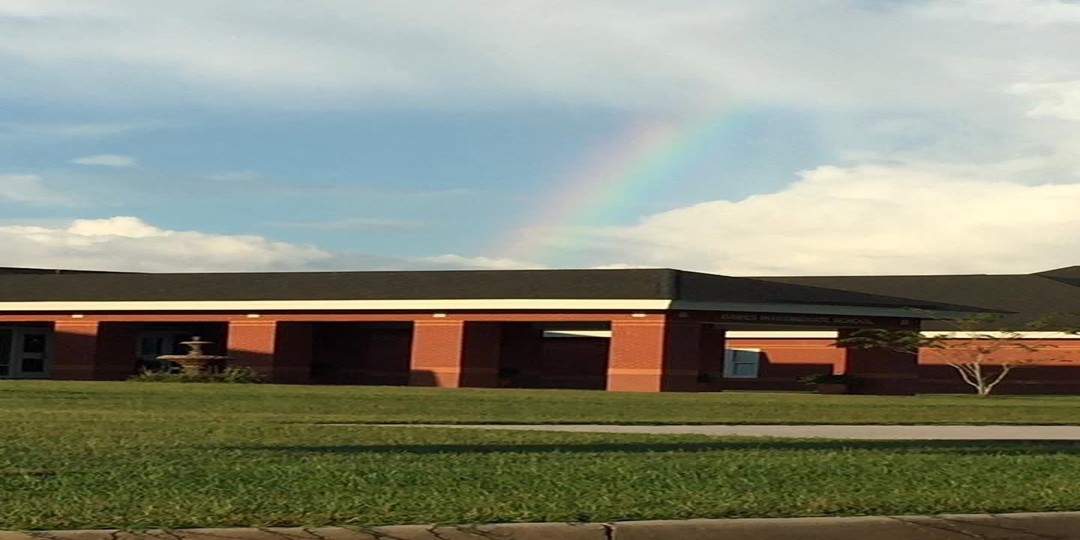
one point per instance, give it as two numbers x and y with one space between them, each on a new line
30 189
943 111
107 160
352 224
1036 13
477 263
865 220
128 243
55 131
1052 99
670 54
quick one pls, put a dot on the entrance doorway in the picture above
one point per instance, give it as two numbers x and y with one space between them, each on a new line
24 353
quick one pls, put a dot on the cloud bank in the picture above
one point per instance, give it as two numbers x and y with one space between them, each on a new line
952 123
864 220
30 189
126 243
629 53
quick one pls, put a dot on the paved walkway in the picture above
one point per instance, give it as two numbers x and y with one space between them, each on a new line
969 433
1048 526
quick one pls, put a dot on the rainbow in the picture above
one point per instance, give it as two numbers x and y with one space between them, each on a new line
610 179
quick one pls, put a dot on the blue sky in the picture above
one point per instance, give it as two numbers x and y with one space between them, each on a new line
851 136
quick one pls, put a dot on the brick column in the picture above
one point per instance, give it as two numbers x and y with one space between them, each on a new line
293 352
279 351
880 371
74 349
116 359
455 354
522 346
713 344
93 351
386 356
654 354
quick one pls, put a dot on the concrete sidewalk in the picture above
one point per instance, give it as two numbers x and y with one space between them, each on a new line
1058 526
967 433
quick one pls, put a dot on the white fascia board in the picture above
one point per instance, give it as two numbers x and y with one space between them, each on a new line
577 333
530 304
781 334
816 309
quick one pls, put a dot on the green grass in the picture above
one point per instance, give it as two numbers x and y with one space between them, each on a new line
97 455
425 405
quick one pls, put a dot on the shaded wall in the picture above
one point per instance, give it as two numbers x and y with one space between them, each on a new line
573 362
784 362
1053 369
361 353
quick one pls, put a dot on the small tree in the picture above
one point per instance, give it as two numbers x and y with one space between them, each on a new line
982 357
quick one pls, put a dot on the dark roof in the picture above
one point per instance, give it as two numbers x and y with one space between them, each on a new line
695 286
1028 296
20 270
1069 275
421 285
1067 272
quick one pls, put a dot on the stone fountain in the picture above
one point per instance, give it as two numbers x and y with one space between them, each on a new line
196 361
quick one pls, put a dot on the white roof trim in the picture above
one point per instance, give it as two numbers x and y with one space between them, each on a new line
577 333
773 334
570 304
333 305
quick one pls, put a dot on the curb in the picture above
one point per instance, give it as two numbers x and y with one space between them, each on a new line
1021 526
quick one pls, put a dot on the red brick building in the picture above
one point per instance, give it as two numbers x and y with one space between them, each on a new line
653 329
1021 298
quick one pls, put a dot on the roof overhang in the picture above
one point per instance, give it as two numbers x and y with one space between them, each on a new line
502 304
824 309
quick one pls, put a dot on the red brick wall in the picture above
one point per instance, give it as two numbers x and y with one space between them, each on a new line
280 351
1055 369
654 353
74 347
452 354
784 361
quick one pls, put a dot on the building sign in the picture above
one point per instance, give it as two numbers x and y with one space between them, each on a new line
836 321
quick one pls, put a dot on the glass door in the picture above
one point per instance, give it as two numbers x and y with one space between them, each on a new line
154 344
7 339
31 354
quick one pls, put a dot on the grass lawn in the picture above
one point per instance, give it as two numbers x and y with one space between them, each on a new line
279 403
131 455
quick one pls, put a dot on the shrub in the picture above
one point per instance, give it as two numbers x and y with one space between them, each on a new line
239 375
828 378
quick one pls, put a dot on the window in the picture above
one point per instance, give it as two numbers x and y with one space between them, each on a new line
741 363
33 352
154 344
6 341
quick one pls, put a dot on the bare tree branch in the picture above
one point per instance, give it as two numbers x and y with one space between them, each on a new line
982 357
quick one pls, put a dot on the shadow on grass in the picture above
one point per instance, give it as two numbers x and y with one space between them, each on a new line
1042 447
